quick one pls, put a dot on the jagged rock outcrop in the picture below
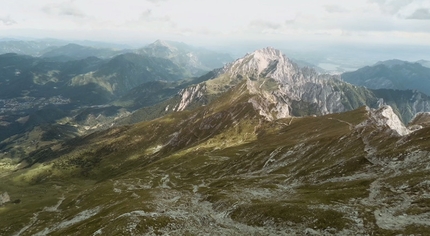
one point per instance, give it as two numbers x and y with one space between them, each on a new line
4 198
189 95
385 117
406 103
420 102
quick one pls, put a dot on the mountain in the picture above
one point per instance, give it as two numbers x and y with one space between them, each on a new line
154 92
127 71
73 51
197 61
393 74
285 90
44 100
40 78
78 79
93 94
32 48
225 168
39 47
33 96
424 63
260 146
391 63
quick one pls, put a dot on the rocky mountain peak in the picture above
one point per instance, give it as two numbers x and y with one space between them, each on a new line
266 62
267 54
160 42
160 48
161 45
279 88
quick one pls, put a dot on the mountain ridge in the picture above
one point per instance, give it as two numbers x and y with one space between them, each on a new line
197 61
73 51
292 90
394 74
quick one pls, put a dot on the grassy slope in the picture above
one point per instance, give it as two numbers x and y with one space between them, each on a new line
221 168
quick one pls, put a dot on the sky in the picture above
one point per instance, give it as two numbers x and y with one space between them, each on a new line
214 21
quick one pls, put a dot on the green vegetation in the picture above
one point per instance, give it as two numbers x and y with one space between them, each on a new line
289 214
222 167
286 173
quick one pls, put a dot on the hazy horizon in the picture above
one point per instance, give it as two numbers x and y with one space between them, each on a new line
327 55
368 30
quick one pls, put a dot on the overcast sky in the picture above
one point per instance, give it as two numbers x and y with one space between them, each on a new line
366 21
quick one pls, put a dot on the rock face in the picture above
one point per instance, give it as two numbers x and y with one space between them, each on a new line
4 198
385 117
294 91
268 60
189 95
293 83
420 102
284 88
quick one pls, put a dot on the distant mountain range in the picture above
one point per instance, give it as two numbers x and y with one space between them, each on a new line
61 70
90 81
196 60
73 51
392 74
32 48
73 84
424 63
39 47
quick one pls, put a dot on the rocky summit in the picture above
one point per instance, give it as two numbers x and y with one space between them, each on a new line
284 89
258 147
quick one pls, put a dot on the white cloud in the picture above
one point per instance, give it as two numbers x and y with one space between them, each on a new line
63 9
147 16
392 6
6 20
157 1
406 9
264 25
221 19
420 14
335 9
